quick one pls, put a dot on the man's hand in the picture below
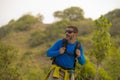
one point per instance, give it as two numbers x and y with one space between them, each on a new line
78 52
62 50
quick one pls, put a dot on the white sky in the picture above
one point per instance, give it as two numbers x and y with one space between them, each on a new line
14 9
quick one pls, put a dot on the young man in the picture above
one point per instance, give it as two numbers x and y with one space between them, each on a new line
64 57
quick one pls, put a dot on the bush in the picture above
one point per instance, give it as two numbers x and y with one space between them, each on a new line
7 70
37 38
25 23
4 31
103 75
85 72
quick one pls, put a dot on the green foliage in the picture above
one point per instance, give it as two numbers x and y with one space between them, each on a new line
58 14
30 70
7 57
3 32
56 30
114 17
113 63
70 14
116 41
103 75
37 38
25 23
32 43
115 28
101 39
73 14
88 72
85 72
6 29
85 27
35 74
113 14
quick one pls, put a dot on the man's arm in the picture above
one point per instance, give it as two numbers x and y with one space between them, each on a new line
54 50
81 58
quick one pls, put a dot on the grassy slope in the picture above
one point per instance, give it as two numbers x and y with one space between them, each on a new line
19 40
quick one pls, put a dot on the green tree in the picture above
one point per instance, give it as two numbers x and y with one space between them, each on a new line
101 41
71 14
58 14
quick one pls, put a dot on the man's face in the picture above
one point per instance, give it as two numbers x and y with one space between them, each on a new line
70 34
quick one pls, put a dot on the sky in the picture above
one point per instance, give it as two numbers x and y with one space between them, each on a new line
14 9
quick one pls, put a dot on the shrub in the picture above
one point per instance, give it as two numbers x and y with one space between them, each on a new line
7 70
37 38
25 22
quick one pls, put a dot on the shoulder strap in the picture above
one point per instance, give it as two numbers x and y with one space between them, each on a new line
76 47
64 43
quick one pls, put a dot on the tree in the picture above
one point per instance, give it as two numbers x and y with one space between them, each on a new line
101 41
71 14
58 14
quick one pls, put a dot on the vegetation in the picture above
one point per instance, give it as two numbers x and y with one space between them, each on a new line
114 17
70 14
101 41
7 67
23 45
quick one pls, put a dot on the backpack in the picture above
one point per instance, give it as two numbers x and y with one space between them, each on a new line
64 44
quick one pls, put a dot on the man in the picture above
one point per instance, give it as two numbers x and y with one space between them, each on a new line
64 57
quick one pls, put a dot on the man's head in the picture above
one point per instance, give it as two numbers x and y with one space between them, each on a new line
71 32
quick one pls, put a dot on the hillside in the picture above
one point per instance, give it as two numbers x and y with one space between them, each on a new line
31 38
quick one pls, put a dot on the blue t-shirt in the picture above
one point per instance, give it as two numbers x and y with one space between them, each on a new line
65 60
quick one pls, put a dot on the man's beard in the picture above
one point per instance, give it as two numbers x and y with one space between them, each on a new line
68 37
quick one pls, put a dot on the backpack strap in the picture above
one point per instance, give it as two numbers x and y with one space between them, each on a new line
76 47
64 43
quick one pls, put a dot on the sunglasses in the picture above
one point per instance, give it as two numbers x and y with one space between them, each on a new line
69 31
